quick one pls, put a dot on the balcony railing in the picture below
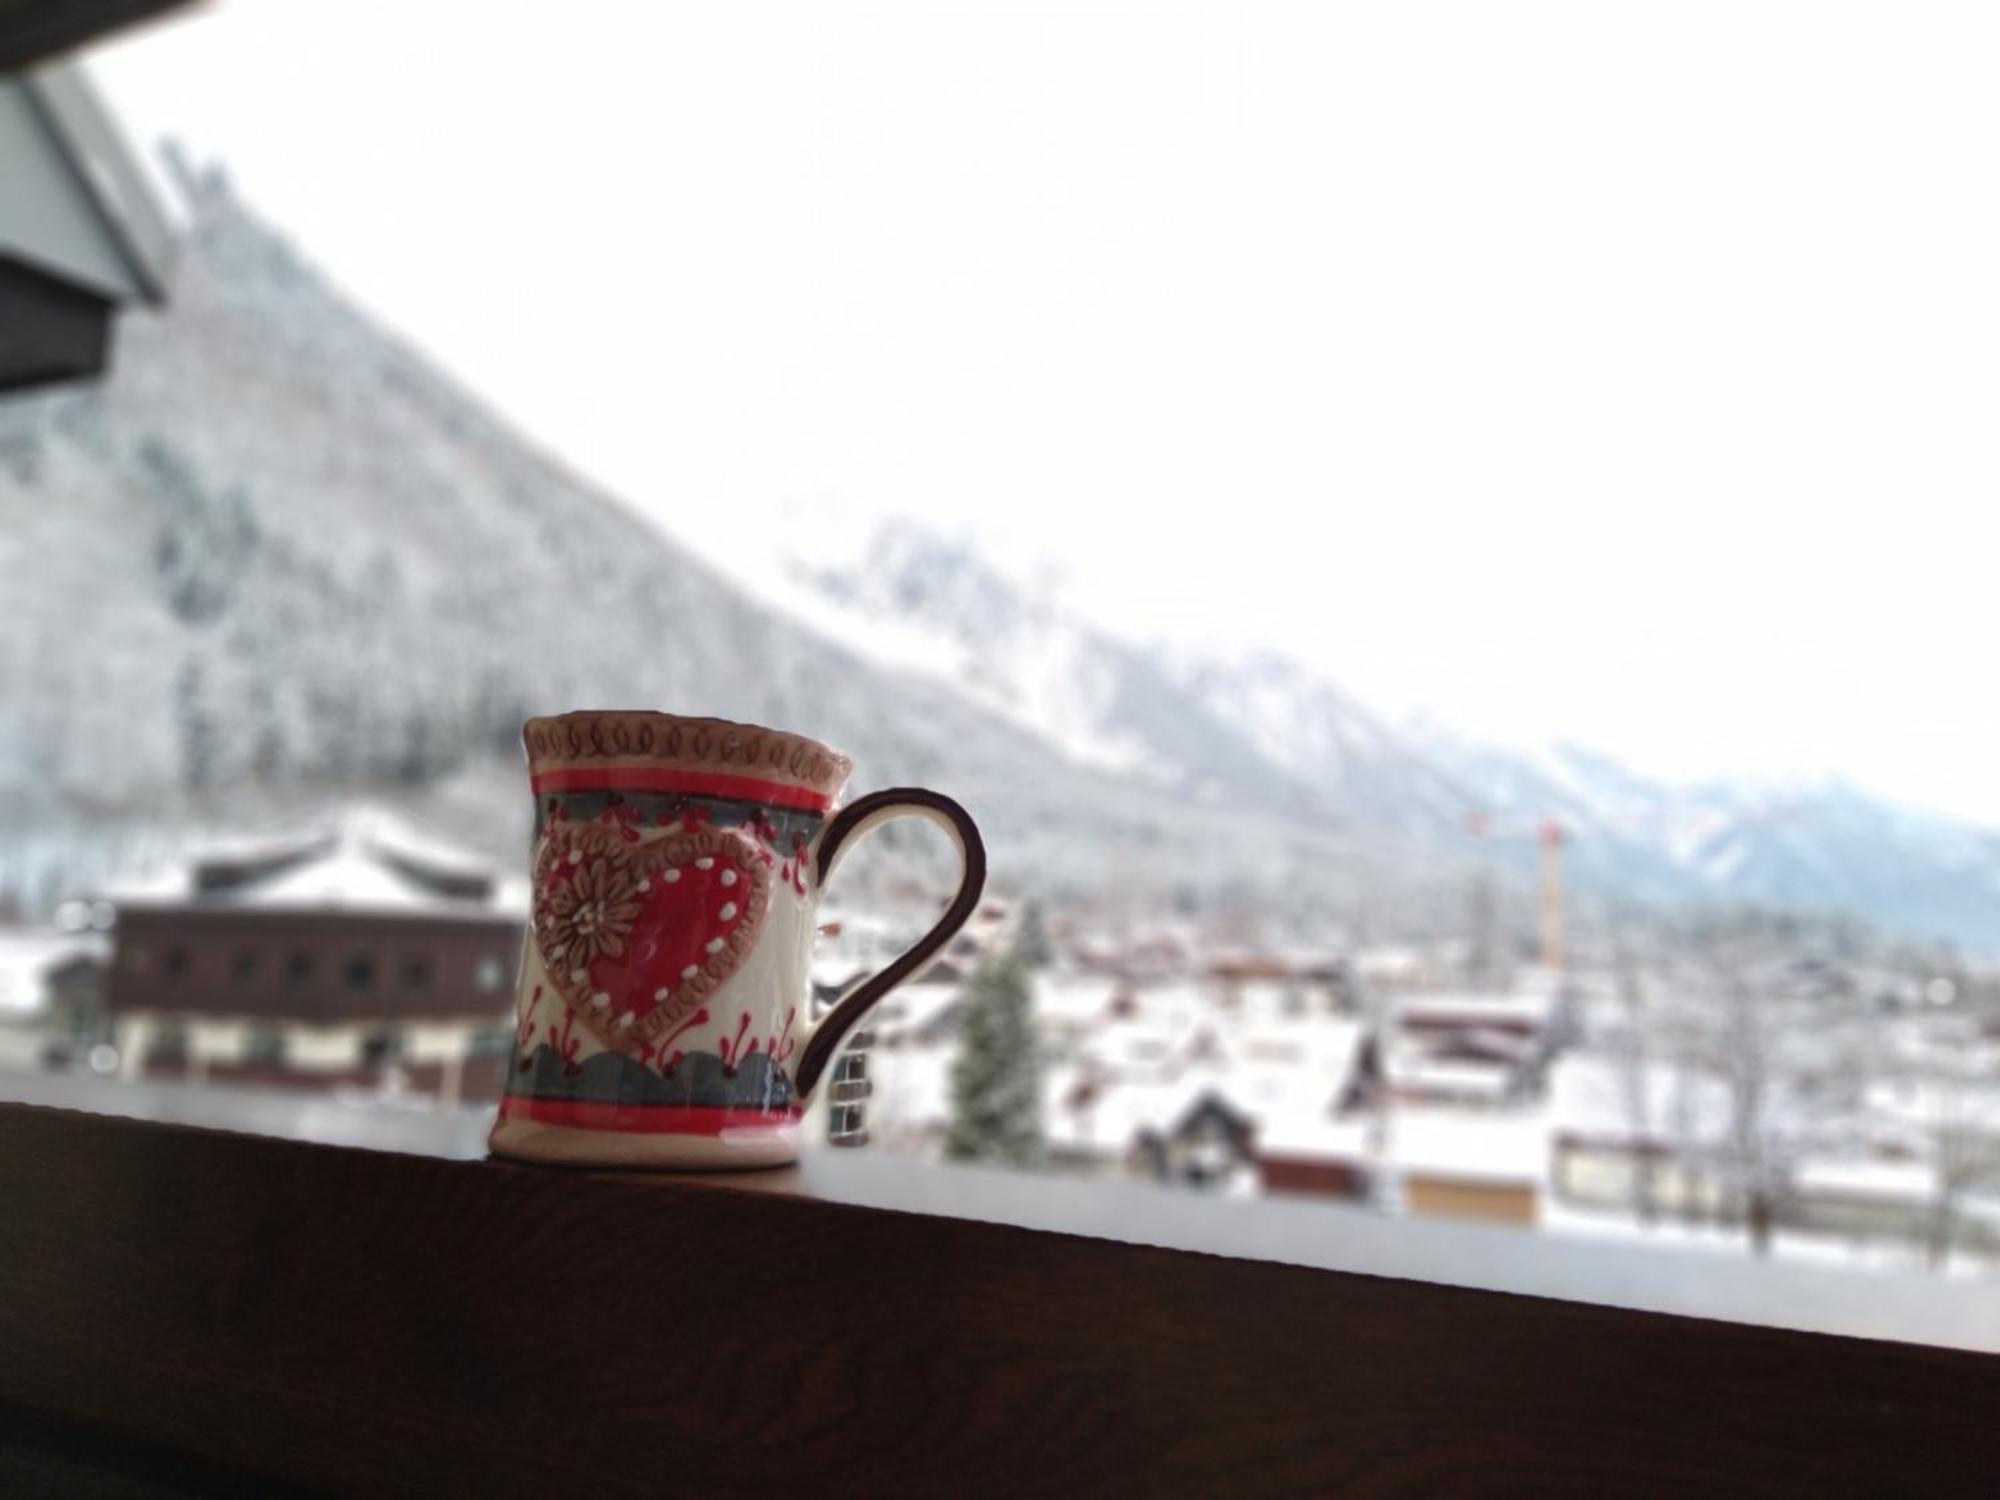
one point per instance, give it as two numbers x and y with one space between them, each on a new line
199 1310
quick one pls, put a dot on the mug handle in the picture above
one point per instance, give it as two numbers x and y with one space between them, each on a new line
859 817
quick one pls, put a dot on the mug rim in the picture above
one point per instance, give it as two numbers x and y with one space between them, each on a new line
601 743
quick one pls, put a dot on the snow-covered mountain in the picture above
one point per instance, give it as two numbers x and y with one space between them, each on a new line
920 601
278 561
1417 789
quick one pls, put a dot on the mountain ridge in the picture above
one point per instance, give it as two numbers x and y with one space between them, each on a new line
1811 844
278 559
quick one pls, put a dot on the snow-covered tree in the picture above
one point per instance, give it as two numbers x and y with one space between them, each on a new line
996 1084
1792 1071
1031 938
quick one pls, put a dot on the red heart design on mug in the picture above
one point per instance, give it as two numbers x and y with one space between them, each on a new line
635 935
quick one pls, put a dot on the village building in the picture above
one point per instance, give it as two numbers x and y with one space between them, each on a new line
360 951
50 994
1319 1153
1472 1048
1621 1134
1467 1164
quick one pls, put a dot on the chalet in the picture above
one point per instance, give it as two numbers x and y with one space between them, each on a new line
358 951
1620 1131
1210 1144
46 979
1319 1153
1471 1048
1467 1164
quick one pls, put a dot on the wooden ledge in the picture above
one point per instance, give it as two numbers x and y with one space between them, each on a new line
368 1321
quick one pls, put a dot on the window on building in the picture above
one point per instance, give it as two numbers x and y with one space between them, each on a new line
299 967
360 972
169 1043
264 1047
491 1041
852 1067
178 963
491 973
245 966
416 973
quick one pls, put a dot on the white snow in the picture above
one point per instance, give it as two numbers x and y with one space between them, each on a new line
27 956
1469 1145
347 861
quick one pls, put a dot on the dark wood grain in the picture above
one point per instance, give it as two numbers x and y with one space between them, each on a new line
373 1323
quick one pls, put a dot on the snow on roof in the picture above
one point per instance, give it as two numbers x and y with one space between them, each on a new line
1072 999
1142 1044
345 878
1315 1135
1863 1180
28 955
1275 999
1293 1106
397 836
1321 1045
1085 1113
1099 1104
362 858
1175 1002
1389 956
912 1007
161 883
1473 1144
1593 1095
1454 1077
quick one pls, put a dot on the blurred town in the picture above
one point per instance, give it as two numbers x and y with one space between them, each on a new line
1748 1087
1248 938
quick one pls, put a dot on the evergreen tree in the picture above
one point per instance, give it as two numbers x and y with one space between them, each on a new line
996 1082
1031 938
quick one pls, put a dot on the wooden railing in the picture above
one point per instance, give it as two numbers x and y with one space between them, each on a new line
191 1311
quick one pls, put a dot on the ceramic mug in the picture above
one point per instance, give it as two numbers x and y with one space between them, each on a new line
662 1008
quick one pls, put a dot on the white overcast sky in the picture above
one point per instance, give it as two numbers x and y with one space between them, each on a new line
1621 372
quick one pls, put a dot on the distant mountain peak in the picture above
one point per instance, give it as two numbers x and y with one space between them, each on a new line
1258 727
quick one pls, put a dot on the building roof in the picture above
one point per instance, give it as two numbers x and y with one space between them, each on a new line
360 859
1104 1116
1468 1145
1592 1098
1474 1008
1073 999
1862 1180
79 204
1449 1077
911 1010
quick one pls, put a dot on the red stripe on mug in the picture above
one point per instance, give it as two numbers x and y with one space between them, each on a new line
700 783
645 1119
